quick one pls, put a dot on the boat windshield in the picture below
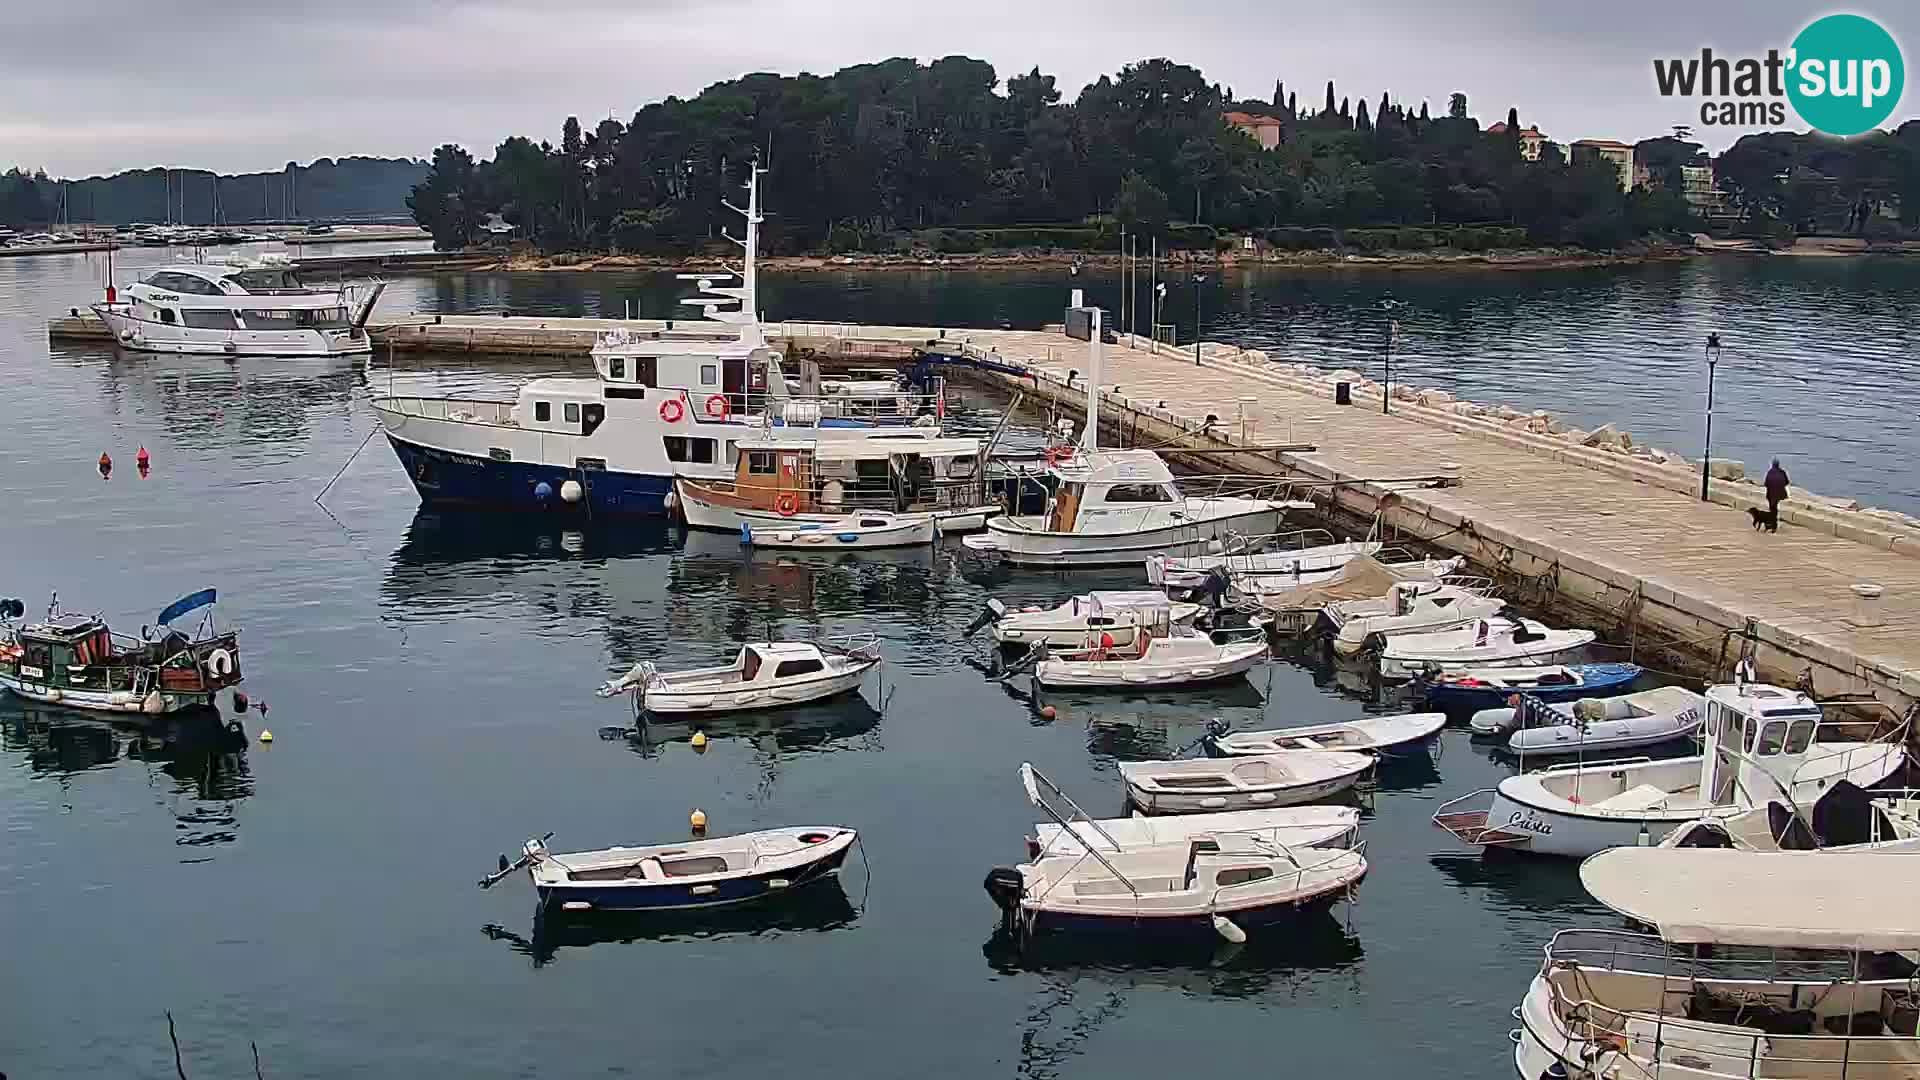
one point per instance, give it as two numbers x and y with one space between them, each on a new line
267 281
329 318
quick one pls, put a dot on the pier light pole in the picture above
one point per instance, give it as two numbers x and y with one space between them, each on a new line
1197 279
1387 306
1706 454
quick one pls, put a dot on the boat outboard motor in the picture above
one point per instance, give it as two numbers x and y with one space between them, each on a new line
991 613
1215 586
1006 886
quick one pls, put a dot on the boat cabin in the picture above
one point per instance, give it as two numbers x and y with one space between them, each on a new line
1755 736
1104 485
79 652
880 472
248 295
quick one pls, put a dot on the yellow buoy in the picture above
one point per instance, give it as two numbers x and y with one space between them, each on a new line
265 735
699 740
698 819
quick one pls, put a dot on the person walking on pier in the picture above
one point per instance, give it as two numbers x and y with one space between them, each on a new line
1776 485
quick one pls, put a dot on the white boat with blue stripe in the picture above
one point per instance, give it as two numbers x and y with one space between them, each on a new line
685 876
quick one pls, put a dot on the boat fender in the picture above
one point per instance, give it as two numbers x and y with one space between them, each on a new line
154 704
746 533
847 537
219 663
697 821
717 407
571 491
815 837
1229 930
672 411
787 504
543 491
1006 886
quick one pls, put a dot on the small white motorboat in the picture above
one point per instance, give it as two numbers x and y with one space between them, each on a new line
1080 620
1410 607
1185 658
1589 725
763 675
1486 642
1368 735
1301 565
1070 834
1283 778
684 875
868 529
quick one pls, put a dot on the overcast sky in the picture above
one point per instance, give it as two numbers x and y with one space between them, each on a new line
95 86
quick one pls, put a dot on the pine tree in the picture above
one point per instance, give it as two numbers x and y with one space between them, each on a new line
1380 114
1279 96
1293 106
1329 107
1346 113
1361 122
1424 118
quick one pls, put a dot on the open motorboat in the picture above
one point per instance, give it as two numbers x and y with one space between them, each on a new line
76 661
778 483
1596 725
242 307
1487 641
1071 832
1262 557
1492 687
1845 818
1181 657
1282 778
1079 620
678 877
1365 578
866 529
1760 742
1761 965
764 675
1409 607
1368 735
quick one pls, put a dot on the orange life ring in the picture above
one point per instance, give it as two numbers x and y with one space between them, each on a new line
717 407
786 504
671 410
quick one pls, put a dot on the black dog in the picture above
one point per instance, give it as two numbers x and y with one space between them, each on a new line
1764 519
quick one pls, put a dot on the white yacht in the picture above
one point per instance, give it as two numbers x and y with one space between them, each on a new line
242 307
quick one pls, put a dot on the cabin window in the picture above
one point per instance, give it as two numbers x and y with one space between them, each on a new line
681 448
591 417
207 318
264 319
709 374
617 367
571 412
761 463
166 315
499 454
702 450
676 447
797 667
1240 875
733 452
625 393
1772 737
1137 493
1800 736
542 412
1749 729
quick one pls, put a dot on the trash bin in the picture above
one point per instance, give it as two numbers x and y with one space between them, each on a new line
1343 393
1866 604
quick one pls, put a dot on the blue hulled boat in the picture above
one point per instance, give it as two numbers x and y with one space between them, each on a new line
1492 687
681 877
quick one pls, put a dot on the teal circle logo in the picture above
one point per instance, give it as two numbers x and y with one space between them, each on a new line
1846 75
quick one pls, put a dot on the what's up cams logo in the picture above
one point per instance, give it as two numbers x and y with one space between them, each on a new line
1843 75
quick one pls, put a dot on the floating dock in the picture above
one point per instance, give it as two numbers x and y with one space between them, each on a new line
1619 543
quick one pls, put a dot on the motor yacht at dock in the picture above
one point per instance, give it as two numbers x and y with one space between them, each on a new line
242 307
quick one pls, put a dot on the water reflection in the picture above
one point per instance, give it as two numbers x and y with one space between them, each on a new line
846 722
818 909
263 404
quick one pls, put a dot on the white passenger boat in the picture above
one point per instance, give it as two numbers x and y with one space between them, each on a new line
1183 658
1596 725
1760 742
242 307
780 483
1070 833
1368 735
1761 965
1409 607
684 875
1283 778
867 529
764 675
1488 641
1079 620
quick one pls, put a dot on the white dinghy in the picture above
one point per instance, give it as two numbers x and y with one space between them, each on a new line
1486 642
868 529
1760 743
1369 735
1261 557
764 675
1285 778
1121 614
1292 826
1409 607
685 875
1592 725
1186 657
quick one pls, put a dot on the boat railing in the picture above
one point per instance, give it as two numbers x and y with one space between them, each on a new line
457 410
1605 763
861 646
1240 545
1301 870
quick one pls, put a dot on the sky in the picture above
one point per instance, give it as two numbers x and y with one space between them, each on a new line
96 86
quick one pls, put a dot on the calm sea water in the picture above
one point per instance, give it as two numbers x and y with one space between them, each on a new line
429 680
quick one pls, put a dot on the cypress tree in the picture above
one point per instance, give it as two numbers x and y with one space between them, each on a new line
1361 122
1329 108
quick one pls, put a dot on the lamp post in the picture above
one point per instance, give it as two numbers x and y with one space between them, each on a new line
1197 279
1387 306
1706 454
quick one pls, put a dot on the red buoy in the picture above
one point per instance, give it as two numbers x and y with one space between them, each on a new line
140 458
106 465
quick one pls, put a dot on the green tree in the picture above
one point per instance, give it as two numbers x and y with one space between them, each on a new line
1141 206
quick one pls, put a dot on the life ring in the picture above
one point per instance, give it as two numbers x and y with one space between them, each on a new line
786 504
671 410
219 663
718 407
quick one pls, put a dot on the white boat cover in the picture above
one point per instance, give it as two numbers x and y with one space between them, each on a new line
1361 579
1854 901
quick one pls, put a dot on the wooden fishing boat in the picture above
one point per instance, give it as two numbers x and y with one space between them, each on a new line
780 484
76 661
763 675
867 529
1120 614
1282 778
679 877
1369 735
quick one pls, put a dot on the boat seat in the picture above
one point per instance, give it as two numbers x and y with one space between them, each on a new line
1644 797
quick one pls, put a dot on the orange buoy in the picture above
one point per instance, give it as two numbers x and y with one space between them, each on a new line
106 464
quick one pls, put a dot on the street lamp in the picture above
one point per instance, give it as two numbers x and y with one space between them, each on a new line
1387 306
1197 279
1706 455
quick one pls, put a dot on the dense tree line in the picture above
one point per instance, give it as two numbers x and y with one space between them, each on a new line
354 187
1785 183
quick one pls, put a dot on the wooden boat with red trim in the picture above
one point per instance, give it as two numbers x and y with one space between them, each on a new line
788 486
77 661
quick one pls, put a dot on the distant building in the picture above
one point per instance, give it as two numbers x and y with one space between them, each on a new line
1530 139
1264 130
1697 186
497 232
1617 154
